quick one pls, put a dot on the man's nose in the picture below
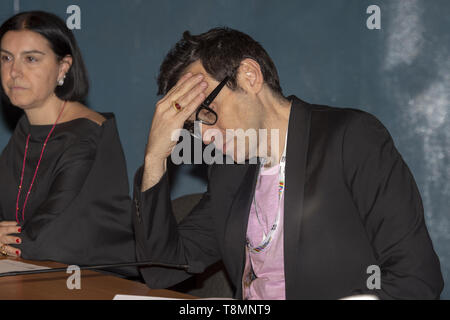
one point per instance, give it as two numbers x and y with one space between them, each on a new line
208 139
209 134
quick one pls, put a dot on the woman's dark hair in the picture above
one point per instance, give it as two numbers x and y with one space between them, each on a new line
62 42
221 51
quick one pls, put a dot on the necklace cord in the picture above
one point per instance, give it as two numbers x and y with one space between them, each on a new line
36 170
281 187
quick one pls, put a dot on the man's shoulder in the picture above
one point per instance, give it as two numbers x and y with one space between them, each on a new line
336 112
358 127
335 120
342 112
345 116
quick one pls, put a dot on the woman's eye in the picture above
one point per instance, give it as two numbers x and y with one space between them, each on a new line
5 59
31 59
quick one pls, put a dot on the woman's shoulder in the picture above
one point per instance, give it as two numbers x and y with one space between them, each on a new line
82 123
76 110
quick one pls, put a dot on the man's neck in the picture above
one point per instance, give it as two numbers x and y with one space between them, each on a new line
276 121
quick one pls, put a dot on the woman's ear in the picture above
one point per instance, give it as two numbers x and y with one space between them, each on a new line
64 66
250 77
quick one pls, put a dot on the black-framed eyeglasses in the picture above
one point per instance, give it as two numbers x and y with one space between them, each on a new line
204 114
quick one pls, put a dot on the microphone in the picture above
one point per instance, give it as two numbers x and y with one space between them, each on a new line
194 268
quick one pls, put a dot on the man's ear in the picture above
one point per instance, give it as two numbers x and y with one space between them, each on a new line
64 66
250 77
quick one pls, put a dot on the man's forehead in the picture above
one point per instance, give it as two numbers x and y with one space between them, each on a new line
195 67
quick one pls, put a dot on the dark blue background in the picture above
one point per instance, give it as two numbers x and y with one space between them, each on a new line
324 53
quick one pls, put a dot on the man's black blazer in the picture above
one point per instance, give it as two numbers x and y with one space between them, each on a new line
350 202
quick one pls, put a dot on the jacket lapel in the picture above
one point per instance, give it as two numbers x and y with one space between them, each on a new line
297 148
236 224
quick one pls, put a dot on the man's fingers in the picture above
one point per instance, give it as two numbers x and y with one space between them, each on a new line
188 110
186 100
183 79
180 90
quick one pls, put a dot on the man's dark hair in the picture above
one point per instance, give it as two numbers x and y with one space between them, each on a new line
221 51
62 42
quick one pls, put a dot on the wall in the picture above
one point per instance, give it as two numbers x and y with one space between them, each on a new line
324 52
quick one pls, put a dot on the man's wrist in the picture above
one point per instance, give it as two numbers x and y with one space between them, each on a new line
154 170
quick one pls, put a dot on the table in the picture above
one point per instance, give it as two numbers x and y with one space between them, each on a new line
53 286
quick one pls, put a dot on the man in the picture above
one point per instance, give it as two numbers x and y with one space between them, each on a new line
309 219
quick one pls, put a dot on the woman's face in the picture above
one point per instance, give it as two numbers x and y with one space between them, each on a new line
29 68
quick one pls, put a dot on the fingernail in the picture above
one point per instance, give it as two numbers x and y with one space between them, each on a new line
17 253
17 240
204 84
19 230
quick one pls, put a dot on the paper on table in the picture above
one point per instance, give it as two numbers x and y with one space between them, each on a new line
131 297
14 266
361 297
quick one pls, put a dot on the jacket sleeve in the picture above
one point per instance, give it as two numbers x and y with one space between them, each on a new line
388 200
160 239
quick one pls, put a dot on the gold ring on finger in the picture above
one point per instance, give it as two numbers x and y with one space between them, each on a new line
177 106
3 250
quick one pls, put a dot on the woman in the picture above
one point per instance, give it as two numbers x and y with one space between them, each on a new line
63 186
